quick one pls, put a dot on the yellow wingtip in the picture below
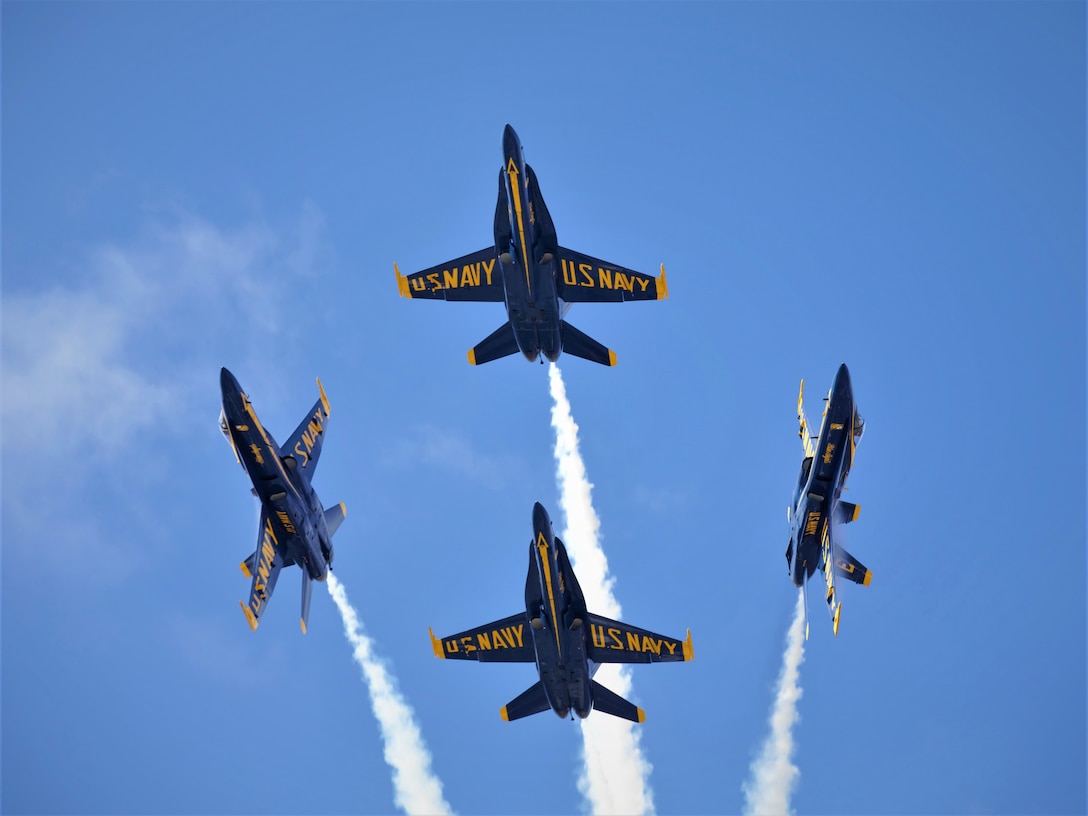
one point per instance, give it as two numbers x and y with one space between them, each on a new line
472 356
324 399
402 282
868 578
250 619
343 510
689 650
611 357
505 716
436 645
641 716
245 570
302 624
835 622
662 285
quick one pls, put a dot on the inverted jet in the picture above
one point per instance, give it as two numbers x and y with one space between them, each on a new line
294 528
817 506
566 641
532 274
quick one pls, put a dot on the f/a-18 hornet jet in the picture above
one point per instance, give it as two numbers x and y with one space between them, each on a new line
566 641
817 506
294 529
532 274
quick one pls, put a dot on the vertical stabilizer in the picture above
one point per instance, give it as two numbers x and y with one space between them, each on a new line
307 590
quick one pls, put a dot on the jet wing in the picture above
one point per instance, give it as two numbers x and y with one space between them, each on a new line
803 432
585 279
304 446
471 277
615 642
264 567
504 641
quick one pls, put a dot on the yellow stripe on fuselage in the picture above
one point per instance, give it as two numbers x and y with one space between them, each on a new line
271 448
545 565
512 172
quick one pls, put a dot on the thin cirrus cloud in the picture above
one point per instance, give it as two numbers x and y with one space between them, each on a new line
85 359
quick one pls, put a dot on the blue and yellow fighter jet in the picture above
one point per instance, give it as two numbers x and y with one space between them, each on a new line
566 642
294 529
817 506
535 277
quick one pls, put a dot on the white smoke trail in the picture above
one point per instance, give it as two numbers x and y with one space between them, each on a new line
773 774
415 787
615 777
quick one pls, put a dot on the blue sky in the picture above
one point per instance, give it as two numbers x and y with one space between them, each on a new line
190 185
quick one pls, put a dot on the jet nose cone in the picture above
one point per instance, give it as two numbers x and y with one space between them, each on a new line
842 380
511 144
541 522
228 383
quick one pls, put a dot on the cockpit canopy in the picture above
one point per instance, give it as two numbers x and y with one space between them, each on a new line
225 430
859 426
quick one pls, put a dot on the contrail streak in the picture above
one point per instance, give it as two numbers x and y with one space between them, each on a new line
615 776
773 774
415 787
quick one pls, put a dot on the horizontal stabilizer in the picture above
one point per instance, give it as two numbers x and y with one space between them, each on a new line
849 567
529 702
333 516
247 566
582 345
845 512
500 343
608 702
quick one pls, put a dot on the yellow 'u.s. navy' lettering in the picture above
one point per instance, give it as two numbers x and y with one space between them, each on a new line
827 453
264 568
813 521
582 274
506 637
305 446
620 640
456 277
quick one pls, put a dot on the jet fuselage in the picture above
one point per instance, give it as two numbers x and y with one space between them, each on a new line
820 483
297 525
557 613
527 247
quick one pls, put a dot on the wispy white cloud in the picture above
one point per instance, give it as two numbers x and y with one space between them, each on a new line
615 776
416 789
773 774
131 342
438 448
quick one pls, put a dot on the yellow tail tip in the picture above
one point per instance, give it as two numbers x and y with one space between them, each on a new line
662 285
504 715
641 716
611 357
472 356
302 624
689 650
